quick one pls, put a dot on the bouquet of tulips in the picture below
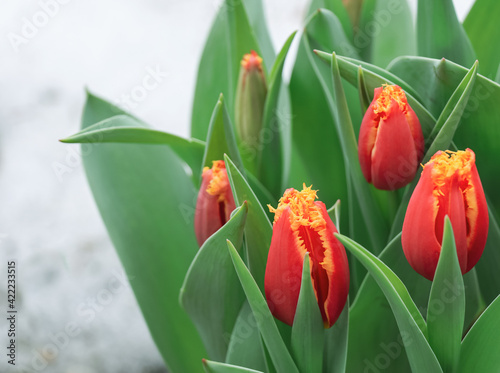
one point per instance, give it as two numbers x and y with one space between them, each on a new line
335 208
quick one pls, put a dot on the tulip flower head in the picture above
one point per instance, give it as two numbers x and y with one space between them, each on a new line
215 202
449 185
302 225
391 144
250 99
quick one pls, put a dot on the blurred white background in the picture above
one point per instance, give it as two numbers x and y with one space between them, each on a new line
49 223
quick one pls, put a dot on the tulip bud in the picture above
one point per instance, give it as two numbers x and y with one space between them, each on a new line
449 185
391 144
302 225
250 99
215 202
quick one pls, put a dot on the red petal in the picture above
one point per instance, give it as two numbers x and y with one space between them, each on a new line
452 204
477 223
394 158
207 217
367 136
419 241
283 270
416 132
338 288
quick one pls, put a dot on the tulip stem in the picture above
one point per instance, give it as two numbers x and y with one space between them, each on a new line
393 202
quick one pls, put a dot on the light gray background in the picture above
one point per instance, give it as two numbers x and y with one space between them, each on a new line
48 220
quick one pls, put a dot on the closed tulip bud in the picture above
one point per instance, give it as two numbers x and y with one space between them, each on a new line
391 144
302 225
250 99
215 202
449 185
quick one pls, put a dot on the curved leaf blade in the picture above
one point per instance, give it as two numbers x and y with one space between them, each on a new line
408 317
135 203
220 137
268 329
308 331
445 313
245 343
211 293
395 35
126 129
482 28
270 159
480 346
440 34
335 346
374 336
215 367
375 224
258 229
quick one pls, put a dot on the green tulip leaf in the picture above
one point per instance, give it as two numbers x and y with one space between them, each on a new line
211 293
258 229
335 346
446 309
440 34
392 32
317 160
308 330
276 347
482 28
410 322
447 123
245 344
377 228
334 213
374 337
215 367
364 95
133 185
479 352
270 159
126 129
337 8
220 138
238 28
487 267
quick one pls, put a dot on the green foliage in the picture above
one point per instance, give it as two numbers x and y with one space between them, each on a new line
308 330
211 294
147 228
145 184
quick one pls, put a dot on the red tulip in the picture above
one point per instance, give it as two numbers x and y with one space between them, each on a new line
215 202
449 185
391 144
302 225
